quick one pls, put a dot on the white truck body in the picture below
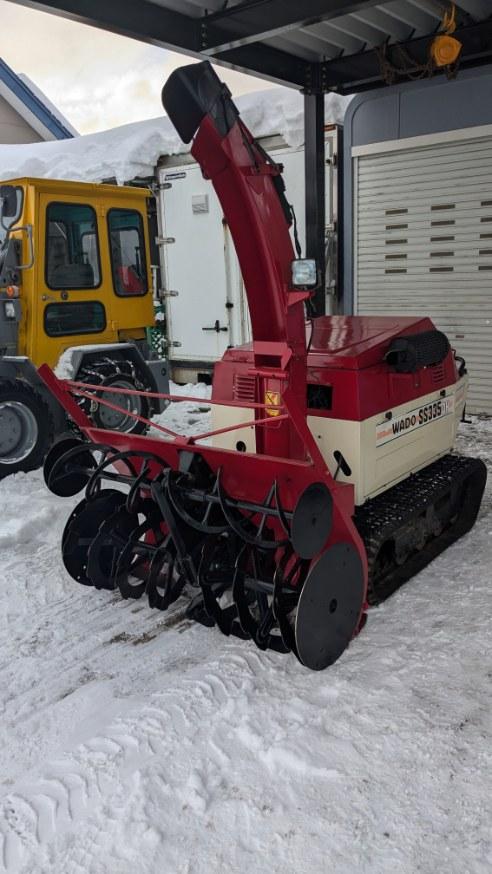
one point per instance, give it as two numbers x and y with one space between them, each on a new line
206 308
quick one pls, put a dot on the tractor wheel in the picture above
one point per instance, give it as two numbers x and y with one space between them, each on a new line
26 428
118 374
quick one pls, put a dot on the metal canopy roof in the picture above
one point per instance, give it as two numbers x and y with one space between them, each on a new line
315 45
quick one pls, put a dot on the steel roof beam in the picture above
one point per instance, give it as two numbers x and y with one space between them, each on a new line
414 17
142 20
369 34
344 41
433 8
151 23
165 27
362 71
474 7
395 30
257 20
271 63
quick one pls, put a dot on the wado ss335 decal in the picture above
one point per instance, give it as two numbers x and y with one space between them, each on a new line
414 419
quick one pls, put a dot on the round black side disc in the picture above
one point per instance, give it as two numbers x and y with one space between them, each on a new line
329 607
67 478
81 529
311 520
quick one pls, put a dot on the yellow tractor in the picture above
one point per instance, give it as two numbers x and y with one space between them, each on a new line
76 293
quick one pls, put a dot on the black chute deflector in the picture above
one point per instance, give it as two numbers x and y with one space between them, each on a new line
194 91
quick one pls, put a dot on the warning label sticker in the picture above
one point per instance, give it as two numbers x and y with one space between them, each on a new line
273 397
413 419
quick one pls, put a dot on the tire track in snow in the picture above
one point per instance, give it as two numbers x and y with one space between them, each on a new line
36 814
251 706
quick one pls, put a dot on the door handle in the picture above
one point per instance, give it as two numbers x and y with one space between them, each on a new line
215 327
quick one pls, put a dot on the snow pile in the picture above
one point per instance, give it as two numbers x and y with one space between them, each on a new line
187 417
67 360
64 367
281 111
134 149
135 741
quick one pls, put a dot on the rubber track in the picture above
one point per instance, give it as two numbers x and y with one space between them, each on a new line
382 518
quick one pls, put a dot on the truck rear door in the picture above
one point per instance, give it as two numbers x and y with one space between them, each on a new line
200 268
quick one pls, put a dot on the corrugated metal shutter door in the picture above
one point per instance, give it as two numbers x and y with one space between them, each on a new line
423 245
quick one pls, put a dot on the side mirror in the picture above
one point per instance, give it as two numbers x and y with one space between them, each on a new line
8 196
304 273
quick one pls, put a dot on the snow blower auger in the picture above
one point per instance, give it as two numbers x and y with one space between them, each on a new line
327 477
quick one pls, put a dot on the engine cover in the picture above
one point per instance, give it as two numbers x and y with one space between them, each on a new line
374 424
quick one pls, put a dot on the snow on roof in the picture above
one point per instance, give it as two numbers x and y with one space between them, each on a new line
134 149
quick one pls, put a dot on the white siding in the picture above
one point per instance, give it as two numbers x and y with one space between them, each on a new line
423 245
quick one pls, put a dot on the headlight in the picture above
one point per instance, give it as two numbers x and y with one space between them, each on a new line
304 273
9 307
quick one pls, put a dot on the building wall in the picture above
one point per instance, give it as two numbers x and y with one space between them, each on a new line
13 128
414 109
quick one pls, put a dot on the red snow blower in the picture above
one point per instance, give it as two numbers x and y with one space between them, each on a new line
326 480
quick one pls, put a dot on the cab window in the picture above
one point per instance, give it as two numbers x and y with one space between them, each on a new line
72 247
80 317
127 244
6 222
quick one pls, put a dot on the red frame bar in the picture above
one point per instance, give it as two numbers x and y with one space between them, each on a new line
179 398
90 397
77 389
268 420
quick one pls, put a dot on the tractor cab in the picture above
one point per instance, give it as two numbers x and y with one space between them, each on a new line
75 281
74 266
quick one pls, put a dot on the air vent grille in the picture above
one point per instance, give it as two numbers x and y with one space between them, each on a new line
244 388
437 374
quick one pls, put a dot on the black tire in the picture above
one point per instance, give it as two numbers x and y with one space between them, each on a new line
26 428
121 374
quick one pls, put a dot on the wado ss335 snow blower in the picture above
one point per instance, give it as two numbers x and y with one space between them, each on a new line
326 480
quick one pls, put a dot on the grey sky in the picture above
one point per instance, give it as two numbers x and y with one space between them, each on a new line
97 79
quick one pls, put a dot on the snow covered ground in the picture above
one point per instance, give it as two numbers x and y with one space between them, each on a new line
132 741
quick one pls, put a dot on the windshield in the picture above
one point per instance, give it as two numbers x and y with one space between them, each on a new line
8 221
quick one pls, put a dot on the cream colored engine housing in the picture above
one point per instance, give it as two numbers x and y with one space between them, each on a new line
376 456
